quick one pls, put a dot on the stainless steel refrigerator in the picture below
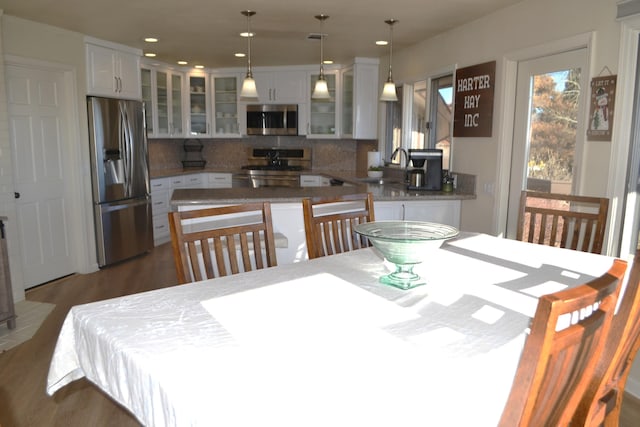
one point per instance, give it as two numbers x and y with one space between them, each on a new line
120 179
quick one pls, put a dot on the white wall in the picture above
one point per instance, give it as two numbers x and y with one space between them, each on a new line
520 27
494 37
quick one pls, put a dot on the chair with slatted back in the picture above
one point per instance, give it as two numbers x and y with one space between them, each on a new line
602 402
215 242
567 221
566 338
329 221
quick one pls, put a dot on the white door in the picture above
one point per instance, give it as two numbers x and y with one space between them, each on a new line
38 130
548 127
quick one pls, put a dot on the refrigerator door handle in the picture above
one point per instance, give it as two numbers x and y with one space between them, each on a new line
125 146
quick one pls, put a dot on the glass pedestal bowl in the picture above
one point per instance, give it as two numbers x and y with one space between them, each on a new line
405 244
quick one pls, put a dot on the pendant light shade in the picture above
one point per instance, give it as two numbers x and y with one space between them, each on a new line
249 89
389 89
321 90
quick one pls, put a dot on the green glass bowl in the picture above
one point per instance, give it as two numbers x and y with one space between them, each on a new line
405 244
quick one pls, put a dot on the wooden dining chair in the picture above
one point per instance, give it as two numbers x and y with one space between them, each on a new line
567 221
215 242
566 338
329 222
602 402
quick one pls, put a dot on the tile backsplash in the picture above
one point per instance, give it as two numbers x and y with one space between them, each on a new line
345 155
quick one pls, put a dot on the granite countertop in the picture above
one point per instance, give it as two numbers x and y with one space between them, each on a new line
383 190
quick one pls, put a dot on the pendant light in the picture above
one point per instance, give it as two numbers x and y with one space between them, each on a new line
249 84
321 91
389 89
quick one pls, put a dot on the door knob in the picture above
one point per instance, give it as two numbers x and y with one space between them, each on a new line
16 195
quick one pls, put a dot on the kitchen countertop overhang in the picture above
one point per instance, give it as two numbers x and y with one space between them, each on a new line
387 191
381 192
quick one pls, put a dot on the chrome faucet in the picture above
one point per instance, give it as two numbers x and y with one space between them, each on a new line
406 156
406 161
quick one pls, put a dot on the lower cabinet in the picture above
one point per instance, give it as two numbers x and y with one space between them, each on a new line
162 188
160 195
440 211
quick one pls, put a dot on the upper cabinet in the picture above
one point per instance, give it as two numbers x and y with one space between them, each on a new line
163 95
200 104
146 84
360 99
112 70
323 113
199 117
169 90
225 105
281 86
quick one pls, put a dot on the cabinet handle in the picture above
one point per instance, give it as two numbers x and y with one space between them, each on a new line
274 94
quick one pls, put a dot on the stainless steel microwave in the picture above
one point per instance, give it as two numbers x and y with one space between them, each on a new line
272 119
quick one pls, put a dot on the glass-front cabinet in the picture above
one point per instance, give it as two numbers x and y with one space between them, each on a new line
162 91
169 104
225 106
199 124
323 112
162 95
147 98
176 124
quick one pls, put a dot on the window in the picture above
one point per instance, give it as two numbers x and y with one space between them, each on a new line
441 116
428 117
393 134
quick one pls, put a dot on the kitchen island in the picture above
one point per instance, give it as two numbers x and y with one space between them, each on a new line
392 202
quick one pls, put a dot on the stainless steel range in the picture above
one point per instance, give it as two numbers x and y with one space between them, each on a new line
276 167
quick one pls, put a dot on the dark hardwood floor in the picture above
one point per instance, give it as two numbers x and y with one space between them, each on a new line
23 369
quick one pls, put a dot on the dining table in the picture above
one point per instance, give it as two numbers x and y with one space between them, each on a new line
322 342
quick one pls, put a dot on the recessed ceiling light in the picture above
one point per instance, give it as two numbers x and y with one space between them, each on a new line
239 54
246 34
198 66
150 55
327 61
151 40
182 62
382 42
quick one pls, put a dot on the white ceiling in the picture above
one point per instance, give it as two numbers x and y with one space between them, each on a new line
207 31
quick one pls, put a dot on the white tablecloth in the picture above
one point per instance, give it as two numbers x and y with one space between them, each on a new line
322 343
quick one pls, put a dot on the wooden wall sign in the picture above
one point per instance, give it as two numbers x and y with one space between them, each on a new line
603 93
473 108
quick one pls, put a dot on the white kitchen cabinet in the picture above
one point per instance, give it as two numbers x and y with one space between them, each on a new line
359 84
161 191
225 105
160 197
282 86
219 180
169 101
198 104
147 88
440 211
323 113
111 71
187 181
314 181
